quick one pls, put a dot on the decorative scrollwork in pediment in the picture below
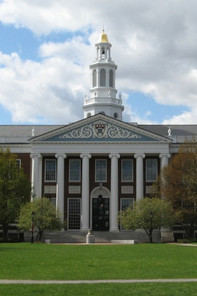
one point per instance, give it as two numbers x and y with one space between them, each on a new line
100 129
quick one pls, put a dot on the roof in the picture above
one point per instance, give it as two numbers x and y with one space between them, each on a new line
22 133
177 132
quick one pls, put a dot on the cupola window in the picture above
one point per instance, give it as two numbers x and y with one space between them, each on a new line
102 53
111 78
102 77
116 115
94 78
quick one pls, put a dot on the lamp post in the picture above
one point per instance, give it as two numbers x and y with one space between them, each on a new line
32 227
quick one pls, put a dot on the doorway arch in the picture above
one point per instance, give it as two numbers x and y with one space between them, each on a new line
100 207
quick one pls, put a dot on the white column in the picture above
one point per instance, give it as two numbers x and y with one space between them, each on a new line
139 176
164 159
36 175
114 192
60 184
164 162
85 192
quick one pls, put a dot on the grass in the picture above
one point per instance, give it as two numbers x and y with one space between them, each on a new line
153 289
71 262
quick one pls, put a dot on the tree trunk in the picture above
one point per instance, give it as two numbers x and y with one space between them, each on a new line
150 237
5 232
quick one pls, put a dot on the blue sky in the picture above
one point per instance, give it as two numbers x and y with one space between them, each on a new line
46 48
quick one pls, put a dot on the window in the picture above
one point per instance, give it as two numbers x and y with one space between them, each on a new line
94 78
102 53
125 202
18 164
151 170
74 170
111 78
127 170
52 200
74 213
102 77
115 115
101 170
50 170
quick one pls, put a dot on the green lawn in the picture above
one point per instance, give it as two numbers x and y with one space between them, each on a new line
71 262
163 289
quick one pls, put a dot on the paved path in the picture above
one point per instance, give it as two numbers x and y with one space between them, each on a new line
77 282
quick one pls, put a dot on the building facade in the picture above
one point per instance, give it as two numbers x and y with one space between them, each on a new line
93 168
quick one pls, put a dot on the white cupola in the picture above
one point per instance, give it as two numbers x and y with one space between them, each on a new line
102 97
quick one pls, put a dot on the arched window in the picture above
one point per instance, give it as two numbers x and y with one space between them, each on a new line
89 114
102 77
102 53
116 115
94 78
111 78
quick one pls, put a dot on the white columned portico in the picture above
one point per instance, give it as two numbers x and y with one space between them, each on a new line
85 191
36 175
114 192
60 184
139 176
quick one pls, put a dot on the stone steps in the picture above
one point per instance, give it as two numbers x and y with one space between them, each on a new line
100 236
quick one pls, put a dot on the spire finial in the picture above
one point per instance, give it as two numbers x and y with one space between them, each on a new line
104 37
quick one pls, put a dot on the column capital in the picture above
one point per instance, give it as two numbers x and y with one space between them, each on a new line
38 155
111 155
161 155
63 155
88 155
141 155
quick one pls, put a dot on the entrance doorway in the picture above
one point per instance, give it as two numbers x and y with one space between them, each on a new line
100 214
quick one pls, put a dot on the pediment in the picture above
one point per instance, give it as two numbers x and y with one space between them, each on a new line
99 128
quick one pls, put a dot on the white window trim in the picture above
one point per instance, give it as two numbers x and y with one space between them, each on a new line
122 180
147 180
78 181
18 160
95 170
50 181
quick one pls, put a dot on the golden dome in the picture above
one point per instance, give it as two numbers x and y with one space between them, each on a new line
104 37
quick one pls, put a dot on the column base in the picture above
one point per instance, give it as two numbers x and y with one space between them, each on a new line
114 230
84 229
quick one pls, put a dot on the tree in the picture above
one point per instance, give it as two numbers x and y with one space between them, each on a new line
178 184
45 217
147 214
15 189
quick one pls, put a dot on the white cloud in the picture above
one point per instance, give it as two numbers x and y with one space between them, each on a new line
50 91
154 45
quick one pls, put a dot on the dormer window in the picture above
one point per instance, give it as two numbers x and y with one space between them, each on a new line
115 115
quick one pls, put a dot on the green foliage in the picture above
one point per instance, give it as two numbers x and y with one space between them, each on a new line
45 217
147 214
15 189
178 184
